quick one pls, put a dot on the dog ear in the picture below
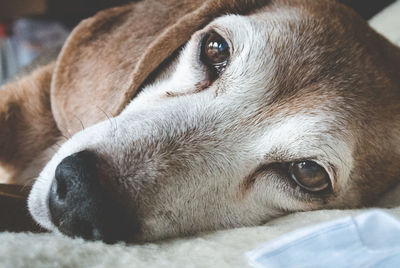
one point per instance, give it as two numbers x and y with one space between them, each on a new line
109 56
27 126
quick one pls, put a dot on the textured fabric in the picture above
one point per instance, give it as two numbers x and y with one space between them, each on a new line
216 249
371 239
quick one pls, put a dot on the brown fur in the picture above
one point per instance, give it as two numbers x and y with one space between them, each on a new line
146 32
101 66
26 121
108 57
361 67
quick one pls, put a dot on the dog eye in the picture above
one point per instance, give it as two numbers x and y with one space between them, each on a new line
309 175
215 52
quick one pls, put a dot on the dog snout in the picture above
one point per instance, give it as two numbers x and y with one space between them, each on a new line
80 206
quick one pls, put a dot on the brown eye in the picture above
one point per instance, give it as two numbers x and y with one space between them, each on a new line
215 52
309 175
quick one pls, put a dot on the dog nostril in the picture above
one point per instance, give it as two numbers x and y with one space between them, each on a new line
80 206
61 189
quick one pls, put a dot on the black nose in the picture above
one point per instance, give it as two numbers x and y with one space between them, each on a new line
80 206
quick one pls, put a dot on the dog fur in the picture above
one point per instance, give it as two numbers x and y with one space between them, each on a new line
306 80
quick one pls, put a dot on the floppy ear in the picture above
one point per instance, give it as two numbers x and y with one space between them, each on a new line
109 56
27 126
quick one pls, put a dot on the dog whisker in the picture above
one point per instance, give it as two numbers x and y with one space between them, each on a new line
65 137
115 127
80 121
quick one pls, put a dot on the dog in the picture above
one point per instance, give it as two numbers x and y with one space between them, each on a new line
268 108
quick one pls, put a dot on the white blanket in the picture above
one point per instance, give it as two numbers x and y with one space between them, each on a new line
218 249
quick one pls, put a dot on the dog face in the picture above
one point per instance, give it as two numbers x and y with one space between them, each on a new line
282 110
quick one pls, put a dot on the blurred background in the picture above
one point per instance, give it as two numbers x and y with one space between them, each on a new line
30 29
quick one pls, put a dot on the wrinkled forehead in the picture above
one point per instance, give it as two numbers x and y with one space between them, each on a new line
279 28
297 53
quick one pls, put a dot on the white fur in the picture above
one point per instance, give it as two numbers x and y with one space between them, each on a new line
210 141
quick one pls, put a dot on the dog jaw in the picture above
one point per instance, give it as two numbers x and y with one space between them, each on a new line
288 94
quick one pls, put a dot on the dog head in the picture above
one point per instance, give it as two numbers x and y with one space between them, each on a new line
291 107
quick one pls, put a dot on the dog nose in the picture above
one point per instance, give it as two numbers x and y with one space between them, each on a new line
80 206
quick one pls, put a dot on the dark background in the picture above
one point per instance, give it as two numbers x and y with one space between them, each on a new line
70 12
367 8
